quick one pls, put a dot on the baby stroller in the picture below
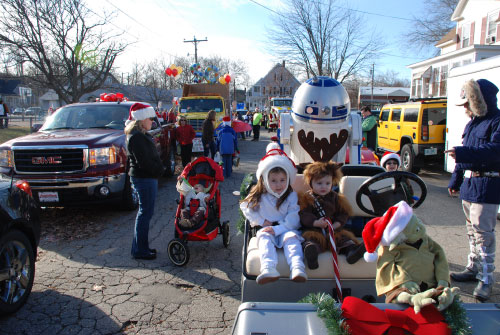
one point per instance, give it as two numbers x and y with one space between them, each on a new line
208 173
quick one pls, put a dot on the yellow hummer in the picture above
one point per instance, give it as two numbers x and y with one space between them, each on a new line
416 129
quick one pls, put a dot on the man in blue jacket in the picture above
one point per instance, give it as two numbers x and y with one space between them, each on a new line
477 176
227 144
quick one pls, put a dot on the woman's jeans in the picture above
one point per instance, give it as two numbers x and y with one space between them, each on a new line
146 189
211 147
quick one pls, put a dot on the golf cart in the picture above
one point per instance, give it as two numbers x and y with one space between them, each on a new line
273 308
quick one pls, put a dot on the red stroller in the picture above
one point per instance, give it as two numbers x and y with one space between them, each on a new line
208 173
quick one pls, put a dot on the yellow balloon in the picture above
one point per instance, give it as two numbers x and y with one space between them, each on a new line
179 70
172 66
222 80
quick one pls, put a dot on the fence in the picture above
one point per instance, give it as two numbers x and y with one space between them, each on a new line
22 121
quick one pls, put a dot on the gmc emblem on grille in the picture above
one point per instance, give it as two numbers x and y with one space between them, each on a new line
46 160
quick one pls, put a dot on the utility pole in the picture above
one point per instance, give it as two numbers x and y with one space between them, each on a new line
195 41
373 74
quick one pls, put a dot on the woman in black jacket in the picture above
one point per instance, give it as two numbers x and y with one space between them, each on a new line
145 168
207 136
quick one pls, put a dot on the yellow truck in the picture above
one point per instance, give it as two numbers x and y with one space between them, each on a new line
197 100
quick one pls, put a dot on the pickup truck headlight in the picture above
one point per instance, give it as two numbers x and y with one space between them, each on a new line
6 158
102 156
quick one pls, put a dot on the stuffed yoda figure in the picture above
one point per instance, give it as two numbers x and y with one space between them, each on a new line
411 267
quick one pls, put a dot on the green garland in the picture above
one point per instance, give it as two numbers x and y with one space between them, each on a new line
245 187
329 310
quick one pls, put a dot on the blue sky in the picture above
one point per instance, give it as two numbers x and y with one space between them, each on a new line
237 29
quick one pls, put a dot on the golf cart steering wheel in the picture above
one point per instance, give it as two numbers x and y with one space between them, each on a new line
388 196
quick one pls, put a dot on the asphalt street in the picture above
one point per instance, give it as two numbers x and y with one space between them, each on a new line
91 285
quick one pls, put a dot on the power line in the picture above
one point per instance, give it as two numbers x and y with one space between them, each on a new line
379 52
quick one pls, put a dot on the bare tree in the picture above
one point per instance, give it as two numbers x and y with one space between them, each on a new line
323 39
156 82
391 78
431 25
64 45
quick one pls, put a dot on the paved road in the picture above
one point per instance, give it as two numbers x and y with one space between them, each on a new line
90 285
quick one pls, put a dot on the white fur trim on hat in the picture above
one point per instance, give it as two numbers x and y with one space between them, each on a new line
397 223
276 158
388 156
272 145
139 111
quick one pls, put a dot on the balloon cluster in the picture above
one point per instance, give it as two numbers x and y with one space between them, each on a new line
225 79
173 71
112 97
209 75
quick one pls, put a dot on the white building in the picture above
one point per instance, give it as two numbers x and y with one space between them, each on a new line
279 82
475 37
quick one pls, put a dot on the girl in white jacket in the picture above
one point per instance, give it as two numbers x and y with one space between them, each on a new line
272 207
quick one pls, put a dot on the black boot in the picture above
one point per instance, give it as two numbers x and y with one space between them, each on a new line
356 253
482 291
311 251
464 276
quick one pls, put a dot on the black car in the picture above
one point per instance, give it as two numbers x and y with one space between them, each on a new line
20 234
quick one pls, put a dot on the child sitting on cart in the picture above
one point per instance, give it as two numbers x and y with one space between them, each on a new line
272 208
321 204
195 205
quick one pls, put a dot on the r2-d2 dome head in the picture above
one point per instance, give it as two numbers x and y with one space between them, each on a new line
321 100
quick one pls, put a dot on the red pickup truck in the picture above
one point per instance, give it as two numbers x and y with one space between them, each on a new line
79 156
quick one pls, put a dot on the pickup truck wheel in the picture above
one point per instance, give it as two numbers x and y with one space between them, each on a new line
130 196
170 163
408 159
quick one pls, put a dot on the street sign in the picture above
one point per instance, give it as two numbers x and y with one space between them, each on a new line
240 105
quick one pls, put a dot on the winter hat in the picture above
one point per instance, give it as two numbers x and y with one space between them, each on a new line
226 121
384 229
390 155
276 158
140 111
471 93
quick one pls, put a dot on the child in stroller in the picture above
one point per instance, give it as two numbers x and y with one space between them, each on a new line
203 219
195 203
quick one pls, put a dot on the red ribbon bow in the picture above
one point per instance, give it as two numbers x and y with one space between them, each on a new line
364 318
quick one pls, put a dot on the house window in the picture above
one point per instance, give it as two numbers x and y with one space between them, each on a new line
443 80
263 90
492 25
256 89
466 35
435 81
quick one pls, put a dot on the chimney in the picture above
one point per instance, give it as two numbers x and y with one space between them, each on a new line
283 63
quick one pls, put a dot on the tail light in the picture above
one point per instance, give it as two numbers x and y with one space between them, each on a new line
425 133
24 186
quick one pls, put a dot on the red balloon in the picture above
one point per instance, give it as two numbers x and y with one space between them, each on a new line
168 71
174 72
227 78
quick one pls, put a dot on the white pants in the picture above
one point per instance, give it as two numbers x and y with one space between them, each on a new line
269 257
480 222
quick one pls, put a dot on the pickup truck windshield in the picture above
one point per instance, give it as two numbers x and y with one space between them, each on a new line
200 105
282 103
88 116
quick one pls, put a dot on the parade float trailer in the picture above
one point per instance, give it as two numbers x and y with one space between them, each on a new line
324 129
197 100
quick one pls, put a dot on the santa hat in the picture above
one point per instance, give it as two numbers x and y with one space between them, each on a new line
139 111
384 229
276 158
390 155
226 121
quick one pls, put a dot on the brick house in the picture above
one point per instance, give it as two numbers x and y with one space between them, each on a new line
476 36
277 82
